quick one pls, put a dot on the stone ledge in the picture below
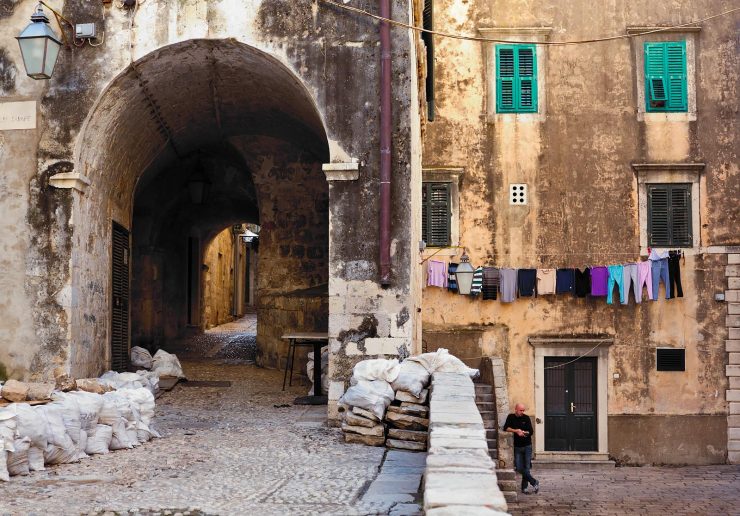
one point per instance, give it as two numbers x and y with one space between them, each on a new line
70 180
348 171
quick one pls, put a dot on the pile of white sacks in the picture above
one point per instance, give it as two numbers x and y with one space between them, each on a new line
387 401
78 423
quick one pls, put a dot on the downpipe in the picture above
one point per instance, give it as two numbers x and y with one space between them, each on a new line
386 120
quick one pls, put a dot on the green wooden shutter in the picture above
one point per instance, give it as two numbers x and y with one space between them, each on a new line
436 214
669 215
665 76
516 79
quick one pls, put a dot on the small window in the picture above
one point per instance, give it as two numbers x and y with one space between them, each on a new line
436 214
665 76
516 79
671 359
669 215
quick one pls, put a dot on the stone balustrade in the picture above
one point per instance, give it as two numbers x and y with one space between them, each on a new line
460 475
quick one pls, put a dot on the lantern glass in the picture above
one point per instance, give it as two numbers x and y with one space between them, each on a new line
464 275
39 47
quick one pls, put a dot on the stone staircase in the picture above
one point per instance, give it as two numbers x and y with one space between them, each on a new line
484 398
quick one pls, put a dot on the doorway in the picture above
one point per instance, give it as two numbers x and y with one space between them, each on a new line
120 302
571 404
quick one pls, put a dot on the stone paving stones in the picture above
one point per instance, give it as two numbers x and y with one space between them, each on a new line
405 445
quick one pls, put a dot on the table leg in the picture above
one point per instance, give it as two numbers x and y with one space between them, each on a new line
317 368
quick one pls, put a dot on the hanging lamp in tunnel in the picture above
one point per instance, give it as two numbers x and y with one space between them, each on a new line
199 186
39 46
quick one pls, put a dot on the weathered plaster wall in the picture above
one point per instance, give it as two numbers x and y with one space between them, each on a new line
218 280
575 155
296 72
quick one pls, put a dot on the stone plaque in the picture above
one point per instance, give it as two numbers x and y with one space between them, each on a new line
17 115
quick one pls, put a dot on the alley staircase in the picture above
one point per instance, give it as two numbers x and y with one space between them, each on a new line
484 398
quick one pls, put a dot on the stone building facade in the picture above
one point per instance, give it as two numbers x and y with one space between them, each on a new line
589 153
277 104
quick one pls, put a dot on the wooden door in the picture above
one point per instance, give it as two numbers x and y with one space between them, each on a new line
570 404
120 299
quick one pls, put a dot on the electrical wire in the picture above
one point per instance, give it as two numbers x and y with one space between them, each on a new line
102 40
494 40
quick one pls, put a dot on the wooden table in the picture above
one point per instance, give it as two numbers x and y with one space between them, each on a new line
317 339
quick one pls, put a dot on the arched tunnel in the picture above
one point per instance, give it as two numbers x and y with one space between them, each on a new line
191 139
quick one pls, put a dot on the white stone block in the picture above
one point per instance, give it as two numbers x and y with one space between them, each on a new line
467 510
384 324
734 383
732 296
447 418
385 346
733 434
733 308
336 390
732 321
732 271
732 395
338 323
439 444
403 331
457 407
336 305
733 446
733 259
733 283
734 333
352 350
443 489
732 346
733 358
732 458
732 370
734 408
733 421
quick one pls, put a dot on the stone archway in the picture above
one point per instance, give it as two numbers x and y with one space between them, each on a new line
259 137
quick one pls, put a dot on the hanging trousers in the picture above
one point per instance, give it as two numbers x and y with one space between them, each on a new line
660 272
616 275
674 274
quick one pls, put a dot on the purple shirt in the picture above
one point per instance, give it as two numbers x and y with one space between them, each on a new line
599 280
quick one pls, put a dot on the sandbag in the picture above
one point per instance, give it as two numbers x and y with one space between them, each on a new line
441 361
142 400
36 458
152 377
413 377
4 475
119 437
82 445
140 357
374 396
17 461
121 380
90 405
8 425
376 369
166 364
69 410
30 424
99 441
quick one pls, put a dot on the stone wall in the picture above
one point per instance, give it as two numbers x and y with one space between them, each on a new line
460 477
218 279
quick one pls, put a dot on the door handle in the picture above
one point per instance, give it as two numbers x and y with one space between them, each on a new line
572 407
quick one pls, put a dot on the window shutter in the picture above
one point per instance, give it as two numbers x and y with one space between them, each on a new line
527 79
681 215
425 213
428 22
676 72
505 79
436 214
665 76
659 232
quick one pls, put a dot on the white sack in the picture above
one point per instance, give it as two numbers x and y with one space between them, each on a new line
18 460
374 396
442 362
82 445
8 426
69 410
376 369
99 442
90 406
36 459
152 377
140 357
121 380
60 448
166 364
4 475
413 377
119 436
30 424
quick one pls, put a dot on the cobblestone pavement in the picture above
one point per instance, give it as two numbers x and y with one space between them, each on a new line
233 342
697 490
225 450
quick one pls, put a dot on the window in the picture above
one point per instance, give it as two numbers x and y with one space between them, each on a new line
436 214
665 76
669 215
516 79
428 22
670 359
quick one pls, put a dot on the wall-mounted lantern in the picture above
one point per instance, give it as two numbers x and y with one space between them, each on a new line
464 274
39 46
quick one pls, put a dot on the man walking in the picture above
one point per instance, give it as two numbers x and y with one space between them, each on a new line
520 425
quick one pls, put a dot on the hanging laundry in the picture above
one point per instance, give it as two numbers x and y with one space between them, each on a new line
564 281
491 280
545 281
644 277
659 270
451 278
583 282
526 279
477 284
616 275
630 277
508 285
657 255
674 273
436 274
599 281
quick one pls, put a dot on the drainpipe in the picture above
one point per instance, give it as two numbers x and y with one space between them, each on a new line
386 119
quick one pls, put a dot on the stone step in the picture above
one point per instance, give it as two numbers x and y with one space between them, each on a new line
506 474
484 398
493 454
579 465
487 414
481 388
510 496
486 406
508 485
491 434
489 424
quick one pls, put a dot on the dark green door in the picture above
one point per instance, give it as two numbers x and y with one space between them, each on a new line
570 404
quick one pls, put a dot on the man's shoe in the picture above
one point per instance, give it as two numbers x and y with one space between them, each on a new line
526 491
536 488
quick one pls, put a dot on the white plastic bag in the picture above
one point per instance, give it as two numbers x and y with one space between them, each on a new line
142 400
17 461
441 361
69 410
374 396
152 380
4 475
90 406
36 459
166 364
60 448
99 441
119 437
8 426
140 357
413 377
30 424
376 369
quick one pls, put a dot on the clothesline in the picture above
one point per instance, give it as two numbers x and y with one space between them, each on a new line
634 256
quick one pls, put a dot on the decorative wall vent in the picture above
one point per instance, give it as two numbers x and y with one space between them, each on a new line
517 193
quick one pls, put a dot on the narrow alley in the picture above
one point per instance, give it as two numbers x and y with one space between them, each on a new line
236 449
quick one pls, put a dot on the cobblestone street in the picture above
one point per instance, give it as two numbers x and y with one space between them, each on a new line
698 490
242 449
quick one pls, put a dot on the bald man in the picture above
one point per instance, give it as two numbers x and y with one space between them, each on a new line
520 425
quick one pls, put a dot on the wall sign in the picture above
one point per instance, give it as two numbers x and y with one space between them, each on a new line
17 115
